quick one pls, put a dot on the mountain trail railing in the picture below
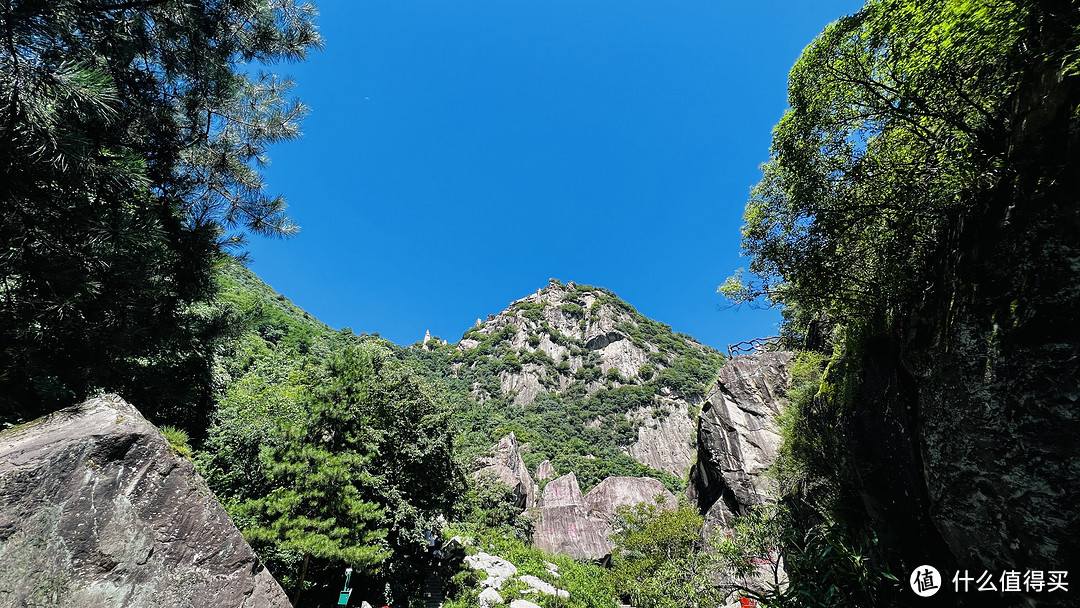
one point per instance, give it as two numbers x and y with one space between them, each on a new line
756 345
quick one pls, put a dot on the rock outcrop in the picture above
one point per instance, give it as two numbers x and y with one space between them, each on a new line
738 436
545 470
498 570
97 510
580 525
505 465
583 340
563 525
602 501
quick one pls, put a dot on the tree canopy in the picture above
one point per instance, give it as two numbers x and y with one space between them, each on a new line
133 136
902 116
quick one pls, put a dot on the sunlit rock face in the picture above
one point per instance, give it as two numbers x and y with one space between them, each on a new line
563 525
602 501
506 466
576 327
581 525
738 435
97 510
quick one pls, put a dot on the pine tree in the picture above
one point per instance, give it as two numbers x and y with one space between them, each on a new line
367 470
131 137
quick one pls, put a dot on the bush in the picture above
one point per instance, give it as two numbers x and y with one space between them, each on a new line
178 440
572 310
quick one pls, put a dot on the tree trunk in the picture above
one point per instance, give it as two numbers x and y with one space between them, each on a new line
300 585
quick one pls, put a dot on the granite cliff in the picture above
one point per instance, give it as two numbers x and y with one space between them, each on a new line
738 436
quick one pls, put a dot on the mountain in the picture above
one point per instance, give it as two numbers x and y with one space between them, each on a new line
584 380
587 381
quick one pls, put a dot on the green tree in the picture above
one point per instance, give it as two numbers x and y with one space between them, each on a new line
661 559
917 196
902 117
359 478
321 506
132 137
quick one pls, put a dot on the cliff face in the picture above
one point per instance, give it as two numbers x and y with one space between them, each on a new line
998 382
569 339
506 466
581 525
97 510
738 436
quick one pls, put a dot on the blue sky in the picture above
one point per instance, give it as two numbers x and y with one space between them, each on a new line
458 154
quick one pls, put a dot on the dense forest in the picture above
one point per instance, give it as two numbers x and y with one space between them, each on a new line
916 223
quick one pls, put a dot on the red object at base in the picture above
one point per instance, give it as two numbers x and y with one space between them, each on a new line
746 602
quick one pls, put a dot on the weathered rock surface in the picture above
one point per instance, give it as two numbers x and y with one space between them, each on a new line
614 492
544 470
498 569
582 332
563 492
97 511
738 436
542 586
506 466
563 525
580 525
663 443
489 597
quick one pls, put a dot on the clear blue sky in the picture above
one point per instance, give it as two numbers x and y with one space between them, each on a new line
460 153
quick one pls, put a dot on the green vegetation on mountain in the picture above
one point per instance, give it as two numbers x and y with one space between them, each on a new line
281 456
917 223
582 417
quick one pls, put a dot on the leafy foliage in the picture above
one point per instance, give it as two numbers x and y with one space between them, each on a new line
306 441
132 140
577 433
913 126
661 559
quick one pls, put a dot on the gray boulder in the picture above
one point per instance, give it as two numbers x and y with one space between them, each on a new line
542 586
498 569
562 492
564 526
97 510
489 597
580 525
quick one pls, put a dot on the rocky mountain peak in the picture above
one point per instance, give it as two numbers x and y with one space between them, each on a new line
574 342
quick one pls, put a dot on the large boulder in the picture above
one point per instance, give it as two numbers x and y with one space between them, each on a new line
614 492
505 465
564 526
738 435
580 525
97 510
498 570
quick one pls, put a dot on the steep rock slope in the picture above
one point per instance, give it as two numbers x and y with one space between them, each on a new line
506 466
97 510
738 435
571 342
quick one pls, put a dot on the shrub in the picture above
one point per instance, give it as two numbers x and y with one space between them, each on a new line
178 440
